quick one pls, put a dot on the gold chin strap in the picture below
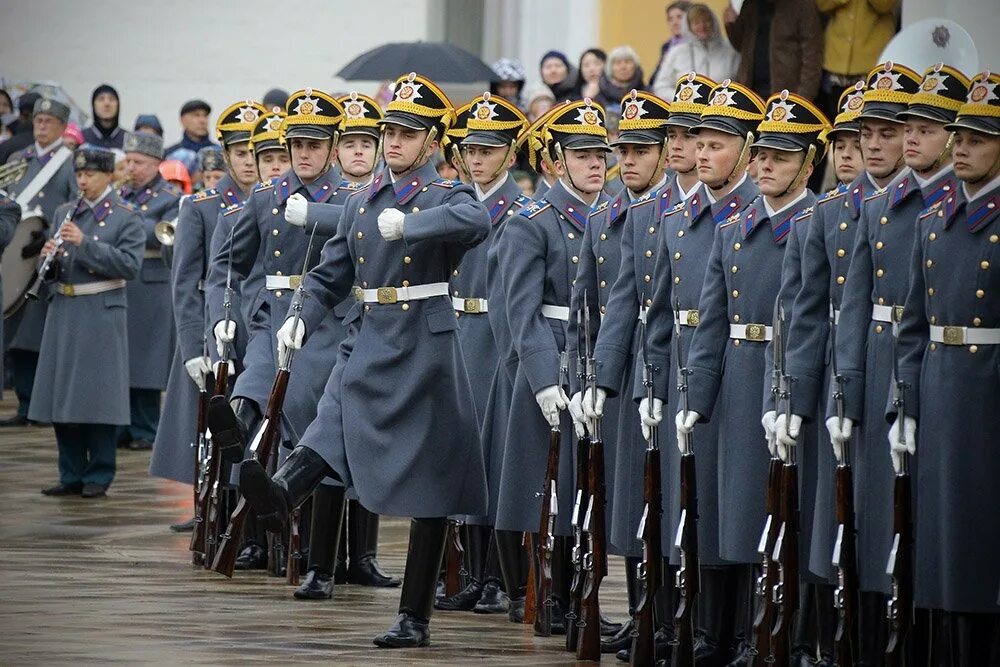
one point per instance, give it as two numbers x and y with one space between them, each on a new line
800 177
463 168
431 136
561 156
503 165
945 155
741 164
661 165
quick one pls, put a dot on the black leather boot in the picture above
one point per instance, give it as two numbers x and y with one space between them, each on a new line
826 623
231 424
253 556
562 577
327 518
494 599
513 561
416 603
623 638
805 647
475 548
362 545
272 498
873 630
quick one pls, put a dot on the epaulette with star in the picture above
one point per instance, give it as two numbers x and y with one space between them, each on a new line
128 206
929 211
679 206
731 220
804 214
600 208
831 195
534 208
645 199
204 195
266 185
521 201
880 193
235 208
445 183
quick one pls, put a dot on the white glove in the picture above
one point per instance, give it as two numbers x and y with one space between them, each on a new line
390 224
230 364
289 339
296 208
909 444
593 403
786 431
197 368
840 432
685 424
225 333
767 421
551 400
579 418
648 422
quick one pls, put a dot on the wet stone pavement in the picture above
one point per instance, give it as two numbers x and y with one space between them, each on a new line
104 581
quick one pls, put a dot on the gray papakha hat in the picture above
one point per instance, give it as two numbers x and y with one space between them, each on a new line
145 143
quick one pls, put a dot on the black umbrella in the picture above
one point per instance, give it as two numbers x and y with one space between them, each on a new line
440 62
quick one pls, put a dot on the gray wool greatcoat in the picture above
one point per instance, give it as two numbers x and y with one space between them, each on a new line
826 257
879 274
173 456
618 342
83 364
10 215
684 245
402 399
539 255
151 332
955 397
263 242
477 277
729 377
24 328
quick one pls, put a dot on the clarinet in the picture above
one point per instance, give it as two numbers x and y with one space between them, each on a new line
46 266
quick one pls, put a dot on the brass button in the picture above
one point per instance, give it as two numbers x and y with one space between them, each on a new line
604 310
274 211
878 328
424 189
604 237
361 260
736 293
883 221
407 260
571 236
881 301
980 294
278 294
274 232
933 319
930 263
278 273
277 253
649 253
737 246
677 255
736 318
932 236
984 265
841 252
930 291
879 245
405 306
367 308
364 283
361 209
736 343
734 269
649 302
406 283
843 226
840 280
600 260
880 273
976 322
680 232
101 223
647 278
415 209
677 280
360 235
652 230
994 238
455 272
973 349
604 283
575 259
933 346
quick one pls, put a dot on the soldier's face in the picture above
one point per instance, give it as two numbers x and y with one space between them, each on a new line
923 143
777 169
586 168
402 145
195 123
271 164
356 154
484 162
92 184
639 163
882 146
682 150
241 163
106 106
47 128
976 156
310 157
847 156
140 168
718 152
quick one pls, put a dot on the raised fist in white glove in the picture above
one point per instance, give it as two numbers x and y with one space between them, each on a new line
230 366
593 402
685 421
551 400
786 431
288 338
390 224
579 418
840 432
225 334
650 420
198 368
295 210
908 445
767 421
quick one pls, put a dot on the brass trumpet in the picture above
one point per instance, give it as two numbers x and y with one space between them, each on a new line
165 231
12 172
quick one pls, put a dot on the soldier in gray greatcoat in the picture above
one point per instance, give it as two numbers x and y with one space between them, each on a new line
949 348
683 249
85 342
539 255
150 319
396 421
610 249
46 184
174 454
487 151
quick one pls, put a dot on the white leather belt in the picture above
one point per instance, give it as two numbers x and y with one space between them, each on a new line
470 305
889 314
387 295
152 253
86 289
835 314
689 318
555 312
642 313
282 282
758 333
964 335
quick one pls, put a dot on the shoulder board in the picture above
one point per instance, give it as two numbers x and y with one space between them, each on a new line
522 200
804 214
360 189
645 199
266 185
235 208
832 194
929 211
600 208
730 221
126 206
679 206
204 195
535 208
880 193
445 183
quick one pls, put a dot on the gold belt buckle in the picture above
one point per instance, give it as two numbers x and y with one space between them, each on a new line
471 305
756 332
359 294
68 290
386 295
693 317
897 314
294 281
953 336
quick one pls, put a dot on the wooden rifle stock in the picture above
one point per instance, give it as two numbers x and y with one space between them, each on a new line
688 575
455 559
204 480
266 440
579 549
650 572
845 559
786 592
760 642
589 646
899 609
294 548
546 540
530 591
